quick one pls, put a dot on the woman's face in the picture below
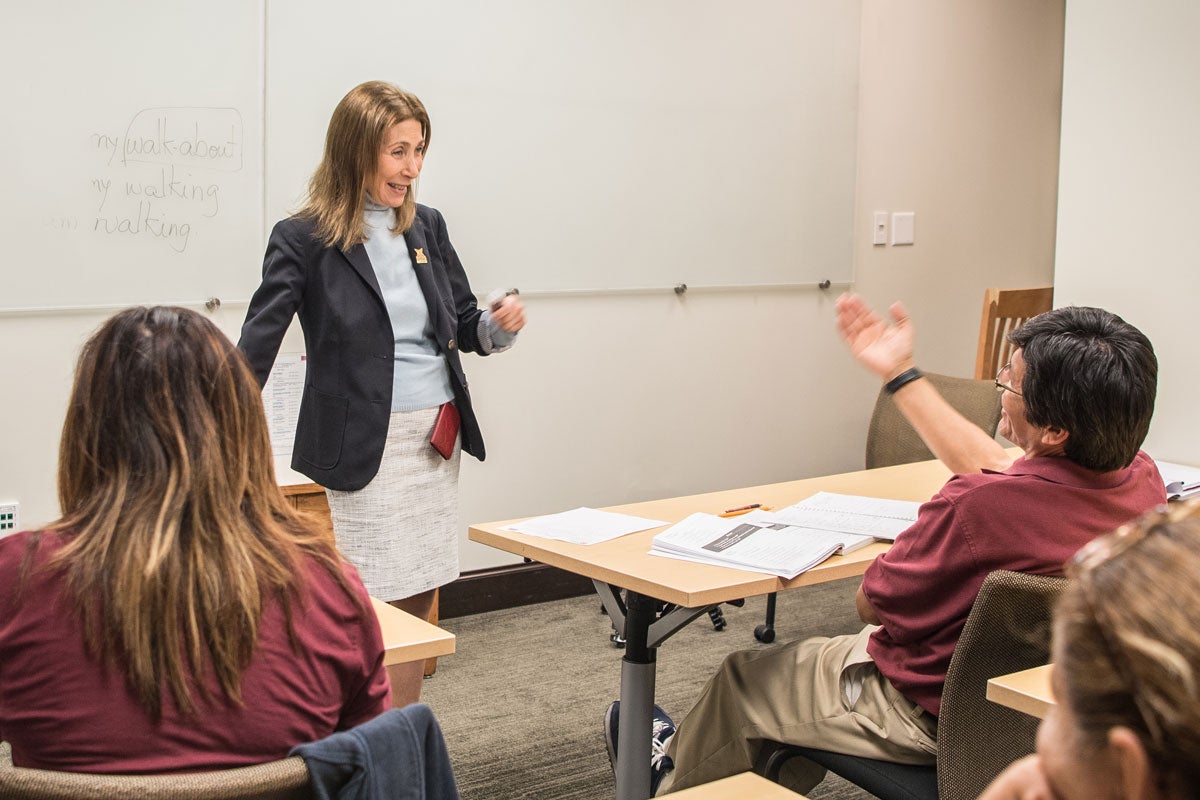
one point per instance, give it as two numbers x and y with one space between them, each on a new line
1074 769
399 163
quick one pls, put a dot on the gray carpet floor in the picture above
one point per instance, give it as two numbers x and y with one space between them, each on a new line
521 701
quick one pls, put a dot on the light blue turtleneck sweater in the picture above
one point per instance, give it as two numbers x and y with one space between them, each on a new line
420 378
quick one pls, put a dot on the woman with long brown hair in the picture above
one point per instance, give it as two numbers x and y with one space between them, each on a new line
180 615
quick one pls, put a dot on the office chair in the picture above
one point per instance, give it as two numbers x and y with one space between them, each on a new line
1007 630
285 779
1003 311
892 440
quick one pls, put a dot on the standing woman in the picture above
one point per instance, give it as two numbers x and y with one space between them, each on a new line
386 310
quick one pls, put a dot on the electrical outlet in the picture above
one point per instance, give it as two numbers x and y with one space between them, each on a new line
9 518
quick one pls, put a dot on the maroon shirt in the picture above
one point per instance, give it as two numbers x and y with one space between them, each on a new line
1031 518
64 710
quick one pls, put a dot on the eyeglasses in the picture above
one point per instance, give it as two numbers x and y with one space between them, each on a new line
1002 385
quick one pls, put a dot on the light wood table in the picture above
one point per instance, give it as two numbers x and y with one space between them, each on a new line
409 638
739 787
692 588
1027 691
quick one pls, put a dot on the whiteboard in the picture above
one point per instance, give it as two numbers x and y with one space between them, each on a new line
598 143
131 158
149 146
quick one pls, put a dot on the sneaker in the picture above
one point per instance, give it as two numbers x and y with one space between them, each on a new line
661 731
612 721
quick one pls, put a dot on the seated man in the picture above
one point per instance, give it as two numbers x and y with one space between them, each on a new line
1077 399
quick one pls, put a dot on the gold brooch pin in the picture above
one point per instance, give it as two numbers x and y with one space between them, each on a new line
421 259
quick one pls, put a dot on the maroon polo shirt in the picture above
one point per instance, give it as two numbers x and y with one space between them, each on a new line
61 709
1031 518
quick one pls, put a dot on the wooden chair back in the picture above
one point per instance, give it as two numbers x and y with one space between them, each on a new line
1003 311
286 779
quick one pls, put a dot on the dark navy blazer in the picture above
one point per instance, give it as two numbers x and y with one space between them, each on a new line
349 341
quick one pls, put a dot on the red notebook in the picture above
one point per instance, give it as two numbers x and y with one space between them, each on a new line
445 430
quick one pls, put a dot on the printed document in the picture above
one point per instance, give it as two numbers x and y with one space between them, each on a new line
847 513
583 526
756 541
1180 480
281 401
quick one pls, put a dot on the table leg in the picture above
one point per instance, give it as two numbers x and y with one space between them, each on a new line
647 623
637 699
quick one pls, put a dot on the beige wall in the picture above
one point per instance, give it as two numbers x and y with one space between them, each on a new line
1129 199
958 121
621 398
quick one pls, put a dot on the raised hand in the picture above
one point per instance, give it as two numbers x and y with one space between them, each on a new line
885 349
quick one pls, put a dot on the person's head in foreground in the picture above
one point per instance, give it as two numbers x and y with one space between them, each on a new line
1126 655
178 535
1081 383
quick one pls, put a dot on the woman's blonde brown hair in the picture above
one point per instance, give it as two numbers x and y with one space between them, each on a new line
1127 638
337 190
177 533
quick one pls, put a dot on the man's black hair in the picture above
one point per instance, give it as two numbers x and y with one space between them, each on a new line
1092 374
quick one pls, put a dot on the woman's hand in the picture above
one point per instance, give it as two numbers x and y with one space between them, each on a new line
884 349
509 314
1023 780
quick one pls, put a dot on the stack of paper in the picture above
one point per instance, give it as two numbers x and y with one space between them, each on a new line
583 526
848 513
755 541
789 541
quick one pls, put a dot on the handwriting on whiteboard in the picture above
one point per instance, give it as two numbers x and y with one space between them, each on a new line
161 178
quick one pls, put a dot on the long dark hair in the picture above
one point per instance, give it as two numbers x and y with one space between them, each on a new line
177 531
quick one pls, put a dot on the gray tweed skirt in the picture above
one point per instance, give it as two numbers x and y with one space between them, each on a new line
400 531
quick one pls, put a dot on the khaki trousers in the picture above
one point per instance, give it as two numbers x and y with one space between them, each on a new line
823 693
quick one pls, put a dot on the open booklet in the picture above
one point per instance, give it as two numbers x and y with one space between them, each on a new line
753 542
1180 480
787 542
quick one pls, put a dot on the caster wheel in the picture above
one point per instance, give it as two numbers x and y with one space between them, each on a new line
618 640
764 634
